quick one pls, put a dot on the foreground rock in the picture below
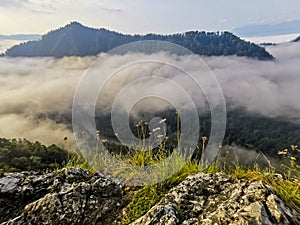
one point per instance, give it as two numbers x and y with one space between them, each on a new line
69 196
218 199
75 196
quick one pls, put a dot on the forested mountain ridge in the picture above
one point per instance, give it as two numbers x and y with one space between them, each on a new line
77 40
21 154
244 129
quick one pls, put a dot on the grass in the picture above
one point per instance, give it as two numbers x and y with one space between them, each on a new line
76 161
146 197
286 184
287 188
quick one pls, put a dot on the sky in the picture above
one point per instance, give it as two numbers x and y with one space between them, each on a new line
143 16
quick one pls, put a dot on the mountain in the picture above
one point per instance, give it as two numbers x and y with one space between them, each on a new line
297 39
77 40
21 154
21 37
260 30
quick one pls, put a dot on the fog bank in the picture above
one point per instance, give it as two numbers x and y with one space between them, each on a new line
30 87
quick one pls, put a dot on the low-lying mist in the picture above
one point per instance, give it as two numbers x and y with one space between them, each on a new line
31 87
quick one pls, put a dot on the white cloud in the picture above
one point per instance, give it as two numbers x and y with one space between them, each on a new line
6 44
273 39
13 3
31 87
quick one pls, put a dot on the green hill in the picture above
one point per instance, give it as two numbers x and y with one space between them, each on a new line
77 40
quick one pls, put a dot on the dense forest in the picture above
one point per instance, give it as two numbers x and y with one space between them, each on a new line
78 40
247 130
244 129
21 154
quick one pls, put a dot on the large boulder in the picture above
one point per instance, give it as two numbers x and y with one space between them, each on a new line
69 196
214 199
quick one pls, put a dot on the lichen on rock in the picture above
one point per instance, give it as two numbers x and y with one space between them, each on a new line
69 196
218 199
76 196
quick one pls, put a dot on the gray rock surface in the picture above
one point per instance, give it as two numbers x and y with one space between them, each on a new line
75 196
214 199
69 196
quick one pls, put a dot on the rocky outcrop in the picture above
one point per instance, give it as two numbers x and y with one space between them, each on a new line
69 196
214 199
76 196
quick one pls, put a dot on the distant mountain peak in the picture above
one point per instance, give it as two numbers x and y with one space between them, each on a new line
74 24
75 39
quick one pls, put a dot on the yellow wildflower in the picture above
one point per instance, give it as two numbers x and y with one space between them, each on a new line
294 147
127 188
282 153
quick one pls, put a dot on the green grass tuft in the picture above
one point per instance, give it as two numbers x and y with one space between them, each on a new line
286 185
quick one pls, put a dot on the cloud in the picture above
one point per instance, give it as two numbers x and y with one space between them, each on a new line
41 11
46 131
32 90
44 7
13 3
286 51
268 88
6 44
35 6
111 10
